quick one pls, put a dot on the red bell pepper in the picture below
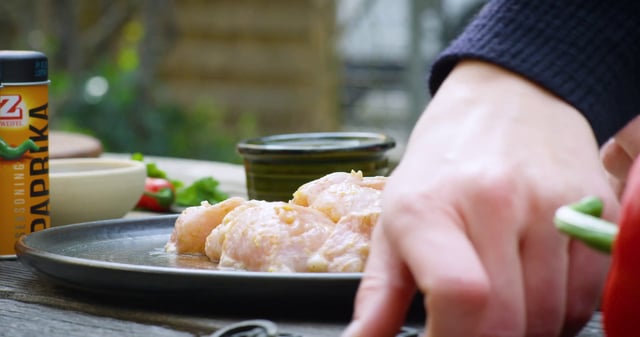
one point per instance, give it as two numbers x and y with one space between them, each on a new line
621 302
159 195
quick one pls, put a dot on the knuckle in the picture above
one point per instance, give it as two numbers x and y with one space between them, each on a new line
468 293
495 189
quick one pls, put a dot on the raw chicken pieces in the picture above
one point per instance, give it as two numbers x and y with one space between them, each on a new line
326 227
268 236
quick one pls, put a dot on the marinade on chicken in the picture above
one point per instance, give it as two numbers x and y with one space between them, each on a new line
268 236
347 248
339 194
195 223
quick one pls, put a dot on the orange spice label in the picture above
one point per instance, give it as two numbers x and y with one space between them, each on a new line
24 163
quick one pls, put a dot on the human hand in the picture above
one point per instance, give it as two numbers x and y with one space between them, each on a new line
619 153
468 216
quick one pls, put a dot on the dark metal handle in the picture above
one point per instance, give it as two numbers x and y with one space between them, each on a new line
265 328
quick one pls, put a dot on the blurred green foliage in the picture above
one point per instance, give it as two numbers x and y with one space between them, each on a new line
128 114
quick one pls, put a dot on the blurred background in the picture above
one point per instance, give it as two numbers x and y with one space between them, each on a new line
190 78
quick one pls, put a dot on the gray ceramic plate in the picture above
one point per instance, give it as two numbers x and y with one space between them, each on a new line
126 257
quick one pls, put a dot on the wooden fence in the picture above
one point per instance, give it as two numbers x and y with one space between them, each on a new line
274 60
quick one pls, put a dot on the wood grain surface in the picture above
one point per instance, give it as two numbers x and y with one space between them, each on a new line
32 306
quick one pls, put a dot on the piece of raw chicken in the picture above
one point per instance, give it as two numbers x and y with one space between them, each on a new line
340 193
268 236
347 248
195 223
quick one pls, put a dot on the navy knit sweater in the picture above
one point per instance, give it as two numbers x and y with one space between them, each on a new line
585 51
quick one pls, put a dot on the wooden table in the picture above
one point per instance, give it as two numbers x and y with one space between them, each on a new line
31 305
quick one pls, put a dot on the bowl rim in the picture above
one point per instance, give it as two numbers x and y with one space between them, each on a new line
124 166
290 143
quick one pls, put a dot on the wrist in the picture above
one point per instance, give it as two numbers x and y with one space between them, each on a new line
481 96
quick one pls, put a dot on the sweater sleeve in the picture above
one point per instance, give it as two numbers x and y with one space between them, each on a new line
585 52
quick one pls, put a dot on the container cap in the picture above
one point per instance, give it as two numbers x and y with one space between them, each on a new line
317 142
23 66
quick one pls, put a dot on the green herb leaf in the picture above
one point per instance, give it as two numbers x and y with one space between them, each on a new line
202 189
153 171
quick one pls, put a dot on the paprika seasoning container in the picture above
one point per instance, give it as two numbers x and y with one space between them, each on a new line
24 146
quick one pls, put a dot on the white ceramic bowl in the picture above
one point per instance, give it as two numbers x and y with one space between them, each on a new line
88 189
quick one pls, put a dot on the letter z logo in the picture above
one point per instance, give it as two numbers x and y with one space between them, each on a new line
11 107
